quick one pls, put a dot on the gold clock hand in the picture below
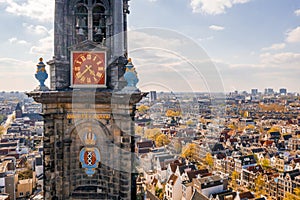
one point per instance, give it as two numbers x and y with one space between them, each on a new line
86 70
92 72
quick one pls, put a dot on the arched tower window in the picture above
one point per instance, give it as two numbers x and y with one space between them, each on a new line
91 17
99 23
81 27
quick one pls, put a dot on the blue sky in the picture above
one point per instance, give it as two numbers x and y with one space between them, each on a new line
249 43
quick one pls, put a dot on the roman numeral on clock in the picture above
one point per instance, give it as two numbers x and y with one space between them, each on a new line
82 79
99 74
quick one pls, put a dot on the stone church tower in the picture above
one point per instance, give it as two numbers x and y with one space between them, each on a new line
88 110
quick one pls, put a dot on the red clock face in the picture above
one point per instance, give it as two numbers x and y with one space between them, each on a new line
88 68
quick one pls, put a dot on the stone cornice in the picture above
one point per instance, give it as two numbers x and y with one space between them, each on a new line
82 96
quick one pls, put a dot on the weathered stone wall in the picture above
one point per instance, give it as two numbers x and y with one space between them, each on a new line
63 175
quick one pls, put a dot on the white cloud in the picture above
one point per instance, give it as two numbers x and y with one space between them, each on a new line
15 66
293 36
297 12
40 10
281 60
276 61
44 45
216 28
214 7
274 47
15 40
206 38
36 29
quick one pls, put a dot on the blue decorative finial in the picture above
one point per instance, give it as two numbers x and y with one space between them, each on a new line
41 75
130 76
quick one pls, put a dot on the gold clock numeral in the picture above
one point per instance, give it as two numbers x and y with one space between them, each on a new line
98 63
88 80
78 62
89 57
77 68
95 58
82 79
95 79
78 75
83 58
100 68
99 74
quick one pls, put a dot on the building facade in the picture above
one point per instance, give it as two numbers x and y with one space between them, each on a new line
88 110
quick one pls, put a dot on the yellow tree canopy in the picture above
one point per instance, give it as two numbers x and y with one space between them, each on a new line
189 151
250 126
152 133
138 130
259 185
209 159
172 113
234 177
232 126
162 140
142 108
274 129
2 130
190 122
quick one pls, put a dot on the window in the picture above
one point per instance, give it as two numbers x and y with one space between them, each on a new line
21 194
91 20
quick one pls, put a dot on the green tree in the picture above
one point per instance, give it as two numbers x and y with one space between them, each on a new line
159 192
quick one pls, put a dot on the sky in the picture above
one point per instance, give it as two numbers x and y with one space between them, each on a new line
176 45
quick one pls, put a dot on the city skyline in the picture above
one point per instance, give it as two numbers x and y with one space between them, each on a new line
250 43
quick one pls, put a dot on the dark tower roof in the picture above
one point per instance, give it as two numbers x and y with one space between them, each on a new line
18 107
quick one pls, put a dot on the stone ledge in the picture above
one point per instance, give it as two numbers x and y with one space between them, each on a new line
80 96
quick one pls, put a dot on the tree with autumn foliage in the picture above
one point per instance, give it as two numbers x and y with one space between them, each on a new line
152 133
138 130
190 151
143 108
156 135
234 177
296 196
2 130
172 113
259 185
162 140
209 160
274 129
265 163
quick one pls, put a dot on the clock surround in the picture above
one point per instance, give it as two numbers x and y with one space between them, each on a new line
88 69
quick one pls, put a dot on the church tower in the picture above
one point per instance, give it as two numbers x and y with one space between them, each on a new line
89 109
